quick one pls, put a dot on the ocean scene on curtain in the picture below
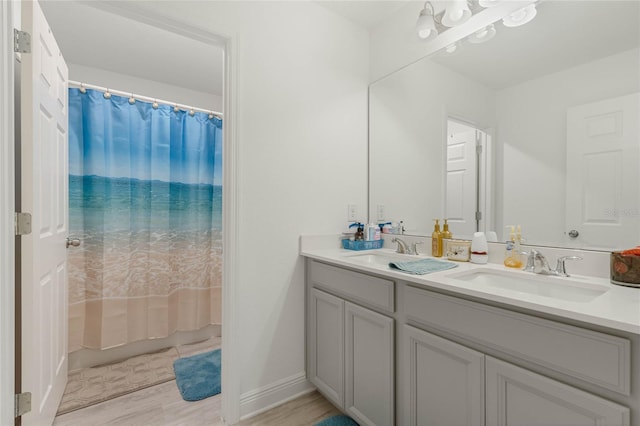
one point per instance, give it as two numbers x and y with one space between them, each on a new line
145 198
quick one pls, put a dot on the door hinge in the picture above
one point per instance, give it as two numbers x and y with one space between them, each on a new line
478 216
22 404
21 41
479 148
23 223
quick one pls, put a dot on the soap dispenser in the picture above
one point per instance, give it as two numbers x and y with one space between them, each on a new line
436 240
359 231
446 234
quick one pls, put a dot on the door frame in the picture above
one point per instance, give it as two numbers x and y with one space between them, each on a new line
230 369
230 299
7 201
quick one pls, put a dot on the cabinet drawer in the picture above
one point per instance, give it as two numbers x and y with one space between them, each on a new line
593 357
373 291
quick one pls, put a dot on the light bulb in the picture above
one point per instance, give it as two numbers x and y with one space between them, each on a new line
520 17
480 36
456 13
425 25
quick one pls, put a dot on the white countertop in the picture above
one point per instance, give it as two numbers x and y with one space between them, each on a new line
618 308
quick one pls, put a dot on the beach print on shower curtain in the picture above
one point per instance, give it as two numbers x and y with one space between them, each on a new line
145 198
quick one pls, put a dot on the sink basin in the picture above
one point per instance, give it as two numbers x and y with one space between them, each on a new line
380 259
547 286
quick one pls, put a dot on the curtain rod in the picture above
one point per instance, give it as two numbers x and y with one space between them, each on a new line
144 98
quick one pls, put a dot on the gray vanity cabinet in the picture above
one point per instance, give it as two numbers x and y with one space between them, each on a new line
350 348
369 366
519 397
457 361
326 337
445 381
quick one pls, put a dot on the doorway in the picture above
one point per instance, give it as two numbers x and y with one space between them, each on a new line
468 179
228 166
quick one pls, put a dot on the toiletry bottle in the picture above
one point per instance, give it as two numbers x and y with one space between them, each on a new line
446 234
436 240
360 232
511 255
517 248
371 231
376 235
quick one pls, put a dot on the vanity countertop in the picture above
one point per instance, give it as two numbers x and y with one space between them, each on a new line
618 308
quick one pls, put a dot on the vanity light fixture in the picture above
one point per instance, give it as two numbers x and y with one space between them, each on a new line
485 34
457 12
426 26
520 17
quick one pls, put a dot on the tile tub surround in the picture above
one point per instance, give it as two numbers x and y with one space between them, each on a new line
617 309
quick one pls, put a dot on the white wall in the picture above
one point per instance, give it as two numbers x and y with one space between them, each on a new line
532 133
408 128
302 135
145 87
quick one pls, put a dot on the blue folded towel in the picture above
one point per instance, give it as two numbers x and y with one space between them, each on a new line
422 266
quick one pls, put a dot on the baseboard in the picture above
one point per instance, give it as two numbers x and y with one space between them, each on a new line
267 397
91 357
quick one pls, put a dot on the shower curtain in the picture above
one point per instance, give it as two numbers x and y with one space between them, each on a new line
145 198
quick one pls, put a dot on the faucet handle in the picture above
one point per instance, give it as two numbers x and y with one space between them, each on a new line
414 247
531 260
561 268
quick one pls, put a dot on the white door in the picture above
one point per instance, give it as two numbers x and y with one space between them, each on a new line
461 195
45 195
603 153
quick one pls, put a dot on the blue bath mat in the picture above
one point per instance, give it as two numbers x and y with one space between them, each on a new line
340 420
198 376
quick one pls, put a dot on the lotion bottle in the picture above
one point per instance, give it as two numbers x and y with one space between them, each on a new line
436 240
446 234
512 252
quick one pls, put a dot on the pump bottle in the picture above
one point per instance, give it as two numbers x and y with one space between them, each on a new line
436 240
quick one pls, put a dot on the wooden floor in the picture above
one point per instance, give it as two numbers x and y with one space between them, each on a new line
163 405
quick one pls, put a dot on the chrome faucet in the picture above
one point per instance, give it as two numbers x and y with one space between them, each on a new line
402 246
538 264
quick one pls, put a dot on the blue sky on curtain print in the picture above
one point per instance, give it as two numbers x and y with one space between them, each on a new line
112 138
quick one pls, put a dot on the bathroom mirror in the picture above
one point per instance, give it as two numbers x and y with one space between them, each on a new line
555 104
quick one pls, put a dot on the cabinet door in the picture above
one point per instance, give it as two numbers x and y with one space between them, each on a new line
516 396
369 366
326 346
444 381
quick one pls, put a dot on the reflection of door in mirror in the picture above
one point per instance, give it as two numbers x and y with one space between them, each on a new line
602 174
465 179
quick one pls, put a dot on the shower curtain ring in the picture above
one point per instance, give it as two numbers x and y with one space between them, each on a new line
132 100
107 95
192 112
82 88
155 104
176 109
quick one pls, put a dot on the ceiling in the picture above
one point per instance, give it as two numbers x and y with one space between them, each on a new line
95 38
366 13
